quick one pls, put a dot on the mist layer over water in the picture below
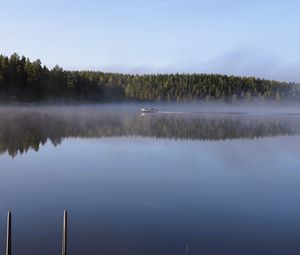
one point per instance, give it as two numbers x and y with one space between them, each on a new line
24 128
223 183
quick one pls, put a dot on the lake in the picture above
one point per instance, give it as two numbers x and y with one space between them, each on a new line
220 181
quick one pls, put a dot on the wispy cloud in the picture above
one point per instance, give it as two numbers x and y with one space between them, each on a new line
155 6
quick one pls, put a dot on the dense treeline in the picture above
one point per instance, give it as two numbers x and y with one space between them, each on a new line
24 80
21 130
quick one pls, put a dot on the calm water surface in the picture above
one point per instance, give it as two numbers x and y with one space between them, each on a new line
223 183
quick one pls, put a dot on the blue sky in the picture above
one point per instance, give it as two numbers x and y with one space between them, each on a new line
254 38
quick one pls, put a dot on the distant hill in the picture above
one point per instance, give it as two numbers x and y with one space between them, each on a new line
23 80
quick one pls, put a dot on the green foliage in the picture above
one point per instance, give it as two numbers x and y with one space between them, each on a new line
23 80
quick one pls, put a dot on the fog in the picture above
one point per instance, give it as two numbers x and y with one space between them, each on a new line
29 127
87 110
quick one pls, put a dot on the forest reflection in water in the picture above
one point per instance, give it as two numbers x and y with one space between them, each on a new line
27 128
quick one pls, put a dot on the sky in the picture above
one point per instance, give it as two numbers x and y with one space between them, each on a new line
236 37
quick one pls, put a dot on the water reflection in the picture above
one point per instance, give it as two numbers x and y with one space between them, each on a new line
150 196
22 129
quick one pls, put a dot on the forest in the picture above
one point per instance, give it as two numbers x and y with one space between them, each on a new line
23 80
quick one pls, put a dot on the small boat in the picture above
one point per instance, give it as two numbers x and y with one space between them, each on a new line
149 110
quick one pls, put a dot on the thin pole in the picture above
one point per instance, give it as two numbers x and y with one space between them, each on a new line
65 233
8 234
187 249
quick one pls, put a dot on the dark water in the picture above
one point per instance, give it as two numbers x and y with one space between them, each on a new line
222 183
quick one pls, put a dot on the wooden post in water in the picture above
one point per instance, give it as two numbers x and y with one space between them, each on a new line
187 249
65 233
8 234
